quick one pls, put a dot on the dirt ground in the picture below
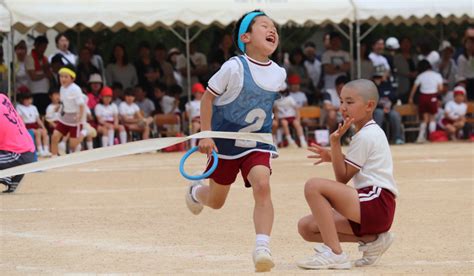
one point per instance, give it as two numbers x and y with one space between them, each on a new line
128 216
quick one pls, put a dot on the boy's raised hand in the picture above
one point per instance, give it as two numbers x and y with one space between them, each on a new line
321 154
341 130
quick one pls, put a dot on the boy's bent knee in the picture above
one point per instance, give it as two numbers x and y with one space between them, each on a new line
215 204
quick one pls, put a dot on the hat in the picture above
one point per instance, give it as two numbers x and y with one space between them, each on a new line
198 88
294 79
392 43
445 45
173 51
95 78
459 90
106 92
460 78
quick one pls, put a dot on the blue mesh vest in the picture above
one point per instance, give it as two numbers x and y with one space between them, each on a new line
251 111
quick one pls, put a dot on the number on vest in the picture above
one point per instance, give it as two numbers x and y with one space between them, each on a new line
255 118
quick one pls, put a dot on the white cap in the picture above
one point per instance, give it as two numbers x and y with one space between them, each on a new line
392 43
444 45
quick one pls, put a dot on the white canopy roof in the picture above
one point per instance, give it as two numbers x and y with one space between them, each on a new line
118 14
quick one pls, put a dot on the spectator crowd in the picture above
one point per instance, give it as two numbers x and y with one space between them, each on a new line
125 98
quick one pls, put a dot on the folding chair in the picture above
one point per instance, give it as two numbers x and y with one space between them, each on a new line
310 119
470 113
410 118
168 124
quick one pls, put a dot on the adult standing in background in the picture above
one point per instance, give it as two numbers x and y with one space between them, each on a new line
199 68
314 69
19 68
405 63
148 71
447 67
221 53
466 63
85 68
119 68
336 62
39 73
160 55
378 60
96 59
427 52
366 67
62 45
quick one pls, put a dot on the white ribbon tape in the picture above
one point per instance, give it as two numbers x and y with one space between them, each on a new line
127 149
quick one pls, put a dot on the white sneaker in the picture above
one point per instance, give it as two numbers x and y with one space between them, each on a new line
262 259
421 140
374 250
62 148
47 153
325 259
292 144
193 206
303 144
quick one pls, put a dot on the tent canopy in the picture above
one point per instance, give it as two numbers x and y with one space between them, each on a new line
118 14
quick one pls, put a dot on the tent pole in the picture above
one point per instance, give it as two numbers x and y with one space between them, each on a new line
351 46
188 63
11 75
358 39
369 30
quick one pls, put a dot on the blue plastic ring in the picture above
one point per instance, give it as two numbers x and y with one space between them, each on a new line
197 177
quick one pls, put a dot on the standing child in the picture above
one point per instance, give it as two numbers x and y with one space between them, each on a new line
240 98
72 115
53 112
455 113
430 84
16 146
107 117
30 115
193 109
340 213
288 114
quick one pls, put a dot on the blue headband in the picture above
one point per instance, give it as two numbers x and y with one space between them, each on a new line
244 25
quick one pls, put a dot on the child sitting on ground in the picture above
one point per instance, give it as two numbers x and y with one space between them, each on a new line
30 115
455 113
340 213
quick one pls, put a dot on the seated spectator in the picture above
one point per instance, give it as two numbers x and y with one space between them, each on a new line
85 68
96 59
131 117
169 104
166 69
117 90
331 104
93 95
53 112
314 69
107 115
447 67
288 115
430 83
159 91
146 105
295 91
120 70
193 109
31 117
379 61
384 110
297 67
466 63
455 113
148 71
19 68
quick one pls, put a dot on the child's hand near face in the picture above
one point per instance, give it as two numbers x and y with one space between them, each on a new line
341 130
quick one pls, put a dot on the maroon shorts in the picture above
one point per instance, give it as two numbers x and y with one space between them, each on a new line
288 119
32 126
377 208
428 103
227 170
444 122
74 131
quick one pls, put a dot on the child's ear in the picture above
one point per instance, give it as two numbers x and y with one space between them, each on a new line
245 38
371 105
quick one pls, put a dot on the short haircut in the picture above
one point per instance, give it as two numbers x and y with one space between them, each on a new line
175 89
341 80
365 88
309 44
333 35
41 40
423 66
58 37
129 92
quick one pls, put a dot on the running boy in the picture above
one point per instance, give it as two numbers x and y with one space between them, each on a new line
340 213
240 97
16 146
72 115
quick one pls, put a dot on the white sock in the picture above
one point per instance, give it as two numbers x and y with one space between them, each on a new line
303 141
432 126
289 139
262 240
78 148
90 145
105 141
111 134
46 148
193 193
422 133
193 142
123 137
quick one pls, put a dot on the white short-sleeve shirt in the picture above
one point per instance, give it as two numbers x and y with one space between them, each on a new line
227 83
286 106
455 110
300 98
106 112
29 113
379 62
369 151
71 97
193 109
429 81
52 112
128 110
